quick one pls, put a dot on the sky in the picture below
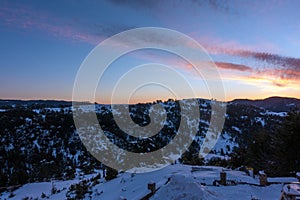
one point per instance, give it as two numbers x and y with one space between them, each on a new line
255 46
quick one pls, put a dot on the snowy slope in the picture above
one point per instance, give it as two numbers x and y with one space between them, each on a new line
173 182
35 190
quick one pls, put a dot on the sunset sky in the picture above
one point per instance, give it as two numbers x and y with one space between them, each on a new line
255 45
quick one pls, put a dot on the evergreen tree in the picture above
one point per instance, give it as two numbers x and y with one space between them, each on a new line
287 152
110 173
259 151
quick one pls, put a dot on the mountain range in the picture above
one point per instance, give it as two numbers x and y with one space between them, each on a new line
275 103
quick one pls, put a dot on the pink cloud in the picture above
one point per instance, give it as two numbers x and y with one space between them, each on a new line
232 66
268 64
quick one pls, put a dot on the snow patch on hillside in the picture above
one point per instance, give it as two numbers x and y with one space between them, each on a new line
225 142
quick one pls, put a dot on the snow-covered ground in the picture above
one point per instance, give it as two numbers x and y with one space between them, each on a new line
226 143
173 182
35 190
281 114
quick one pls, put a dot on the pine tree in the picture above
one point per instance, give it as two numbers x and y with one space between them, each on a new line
259 151
287 152
110 173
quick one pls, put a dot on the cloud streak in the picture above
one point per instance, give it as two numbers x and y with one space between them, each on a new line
29 19
217 5
232 66
26 18
273 58
259 63
280 68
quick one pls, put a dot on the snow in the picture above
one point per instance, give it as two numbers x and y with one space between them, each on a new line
37 144
247 192
28 120
36 111
261 172
244 117
292 189
261 120
10 147
282 180
54 109
211 155
86 108
281 114
236 129
224 141
35 190
172 182
189 189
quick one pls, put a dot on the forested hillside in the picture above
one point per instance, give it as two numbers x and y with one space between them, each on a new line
39 141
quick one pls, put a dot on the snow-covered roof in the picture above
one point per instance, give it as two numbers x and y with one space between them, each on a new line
262 172
174 182
282 180
292 189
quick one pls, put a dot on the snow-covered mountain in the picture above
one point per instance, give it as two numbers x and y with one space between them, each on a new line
40 142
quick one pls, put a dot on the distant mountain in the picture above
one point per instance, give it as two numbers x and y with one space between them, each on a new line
7 103
44 103
275 104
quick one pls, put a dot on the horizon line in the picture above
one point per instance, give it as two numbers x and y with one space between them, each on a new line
143 102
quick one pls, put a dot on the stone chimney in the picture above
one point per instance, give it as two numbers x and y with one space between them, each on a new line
223 178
